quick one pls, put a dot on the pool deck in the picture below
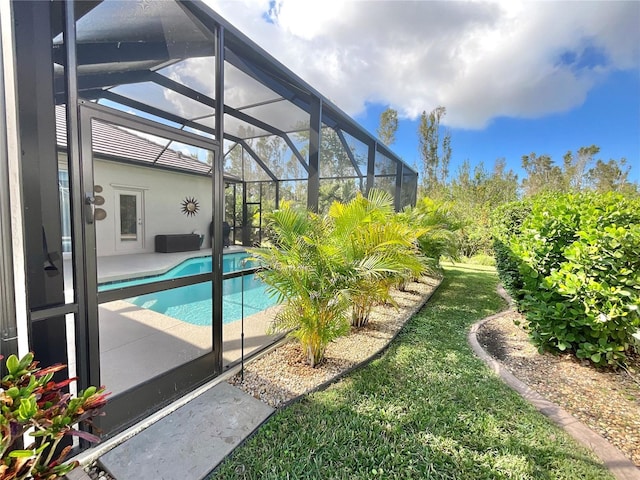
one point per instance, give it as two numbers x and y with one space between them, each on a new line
136 343
119 267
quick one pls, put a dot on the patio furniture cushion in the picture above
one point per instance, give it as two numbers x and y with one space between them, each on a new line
180 242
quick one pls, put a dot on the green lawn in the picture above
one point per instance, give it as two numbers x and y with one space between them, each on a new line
427 409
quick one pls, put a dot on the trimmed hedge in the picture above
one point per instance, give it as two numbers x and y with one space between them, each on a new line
506 223
578 273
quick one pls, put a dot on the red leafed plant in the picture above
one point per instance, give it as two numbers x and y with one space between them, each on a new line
31 402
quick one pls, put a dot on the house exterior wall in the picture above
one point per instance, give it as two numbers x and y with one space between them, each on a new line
163 193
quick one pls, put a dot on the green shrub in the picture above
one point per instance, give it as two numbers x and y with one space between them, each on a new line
473 239
322 267
579 264
506 224
378 248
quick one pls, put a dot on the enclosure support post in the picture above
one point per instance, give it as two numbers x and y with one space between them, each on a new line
218 203
42 226
314 154
398 194
371 165
8 161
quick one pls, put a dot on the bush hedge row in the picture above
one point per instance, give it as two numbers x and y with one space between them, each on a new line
506 223
573 264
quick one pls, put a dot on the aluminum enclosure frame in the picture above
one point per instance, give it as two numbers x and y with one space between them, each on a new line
35 306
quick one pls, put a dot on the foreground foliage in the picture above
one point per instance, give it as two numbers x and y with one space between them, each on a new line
578 272
427 409
31 401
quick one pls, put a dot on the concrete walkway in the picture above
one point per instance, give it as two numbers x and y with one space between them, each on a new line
191 441
618 464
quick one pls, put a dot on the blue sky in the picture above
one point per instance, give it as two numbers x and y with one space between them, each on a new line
609 118
515 77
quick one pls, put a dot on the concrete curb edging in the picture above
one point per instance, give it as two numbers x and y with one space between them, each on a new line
619 465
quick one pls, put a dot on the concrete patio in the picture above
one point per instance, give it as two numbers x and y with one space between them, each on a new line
136 343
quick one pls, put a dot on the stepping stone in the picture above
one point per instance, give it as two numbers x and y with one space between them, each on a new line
190 442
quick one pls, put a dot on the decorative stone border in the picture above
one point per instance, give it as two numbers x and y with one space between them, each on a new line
619 465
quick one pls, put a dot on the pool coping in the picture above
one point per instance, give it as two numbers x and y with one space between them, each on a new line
109 279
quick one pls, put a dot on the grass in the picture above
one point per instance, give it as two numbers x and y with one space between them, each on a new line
427 409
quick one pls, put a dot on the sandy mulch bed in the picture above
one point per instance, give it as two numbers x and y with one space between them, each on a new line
608 401
283 375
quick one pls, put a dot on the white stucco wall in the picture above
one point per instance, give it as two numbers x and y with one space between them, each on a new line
163 193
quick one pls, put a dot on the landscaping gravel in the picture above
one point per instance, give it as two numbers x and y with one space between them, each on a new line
96 473
283 375
606 400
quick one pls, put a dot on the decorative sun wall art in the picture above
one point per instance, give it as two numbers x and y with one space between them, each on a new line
190 206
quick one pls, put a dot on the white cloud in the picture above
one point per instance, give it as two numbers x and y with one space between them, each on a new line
480 60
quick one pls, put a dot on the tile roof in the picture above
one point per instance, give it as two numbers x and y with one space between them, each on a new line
114 142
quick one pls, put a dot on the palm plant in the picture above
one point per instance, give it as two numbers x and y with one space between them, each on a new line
438 226
383 256
377 250
319 266
304 269
425 266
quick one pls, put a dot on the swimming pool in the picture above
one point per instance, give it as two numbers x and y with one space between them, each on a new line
193 304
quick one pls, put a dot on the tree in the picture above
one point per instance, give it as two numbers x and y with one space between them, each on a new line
334 161
542 175
304 269
503 184
438 225
336 191
611 176
378 250
475 195
435 154
388 126
322 266
577 174
338 177
575 166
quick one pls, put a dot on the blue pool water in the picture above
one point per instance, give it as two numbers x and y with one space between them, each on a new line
193 303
